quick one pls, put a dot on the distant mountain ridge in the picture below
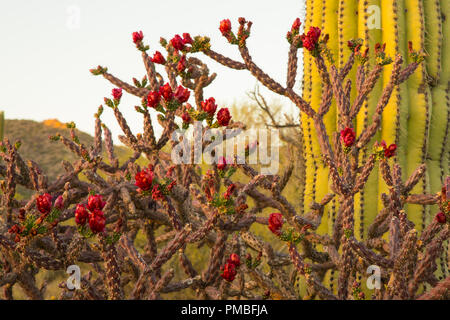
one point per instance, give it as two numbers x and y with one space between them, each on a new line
37 146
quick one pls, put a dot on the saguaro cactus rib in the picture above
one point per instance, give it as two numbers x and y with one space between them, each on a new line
419 108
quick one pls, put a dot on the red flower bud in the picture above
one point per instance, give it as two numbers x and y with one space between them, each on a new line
144 179
97 221
229 272
81 214
177 42
296 25
311 39
44 203
209 106
137 37
59 203
222 163
441 218
95 202
171 185
181 64
234 259
276 223
186 117
229 191
223 117
156 193
187 38
182 94
166 92
117 93
158 58
348 136
389 151
153 99
225 26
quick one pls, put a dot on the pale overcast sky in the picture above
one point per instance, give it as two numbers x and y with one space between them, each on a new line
46 54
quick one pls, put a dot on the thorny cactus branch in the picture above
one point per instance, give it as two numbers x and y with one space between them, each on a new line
130 222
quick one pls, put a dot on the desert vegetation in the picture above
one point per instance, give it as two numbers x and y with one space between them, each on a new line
137 226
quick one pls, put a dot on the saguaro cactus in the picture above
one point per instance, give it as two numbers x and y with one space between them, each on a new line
417 115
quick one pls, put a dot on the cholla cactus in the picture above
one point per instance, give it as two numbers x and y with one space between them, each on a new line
416 118
97 220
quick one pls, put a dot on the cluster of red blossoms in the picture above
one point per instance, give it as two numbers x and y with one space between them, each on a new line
145 182
44 205
92 213
179 42
348 136
276 223
181 95
223 115
311 39
389 151
158 58
229 270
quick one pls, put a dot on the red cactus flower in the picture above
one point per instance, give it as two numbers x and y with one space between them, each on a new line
225 26
59 203
187 38
95 202
229 272
221 163
158 58
153 99
117 93
229 191
311 39
181 64
314 33
348 136
209 106
81 214
186 117
137 37
97 221
389 151
177 42
156 193
276 223
171 185
166 92
296 25
144 179
44 203
223 117
14 229
182 94
441 218
234 259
